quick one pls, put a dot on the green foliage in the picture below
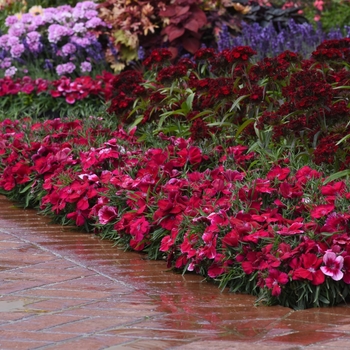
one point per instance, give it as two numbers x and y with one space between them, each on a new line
44 106
337 15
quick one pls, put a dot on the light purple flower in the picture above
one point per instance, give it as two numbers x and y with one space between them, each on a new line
12 41
33 41
78 13
63 17
32 27
49 15
83 42
10 71
17 29
6 63
86 5
10 20
64 8
333 267
85 67
68 49
57 32
65 68
79 28
33 37
17 50
27 18
93 22
89 14
4 41
38 21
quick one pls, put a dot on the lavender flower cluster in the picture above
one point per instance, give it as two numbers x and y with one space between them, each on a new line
59 39
270 42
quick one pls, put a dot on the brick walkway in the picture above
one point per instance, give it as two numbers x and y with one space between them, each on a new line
61 289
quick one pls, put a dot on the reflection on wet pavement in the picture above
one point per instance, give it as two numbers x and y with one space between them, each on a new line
62 289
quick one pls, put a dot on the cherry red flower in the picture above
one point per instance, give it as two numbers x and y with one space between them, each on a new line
346 267
80 216
309 269
295 228
139 228
275 280
322 210
166 243
278 173
193 155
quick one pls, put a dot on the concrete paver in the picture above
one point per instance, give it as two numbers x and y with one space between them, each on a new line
62 289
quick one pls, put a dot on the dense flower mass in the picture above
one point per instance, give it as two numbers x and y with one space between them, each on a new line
269 41
213 219
222 164
57 38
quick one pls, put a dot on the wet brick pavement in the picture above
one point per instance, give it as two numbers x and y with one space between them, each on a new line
61 289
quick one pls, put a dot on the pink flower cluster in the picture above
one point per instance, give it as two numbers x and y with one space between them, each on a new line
78 89
70 89
27 85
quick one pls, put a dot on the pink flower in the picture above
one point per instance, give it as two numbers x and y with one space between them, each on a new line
333 266
319 5
106 214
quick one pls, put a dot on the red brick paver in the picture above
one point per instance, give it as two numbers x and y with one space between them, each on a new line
61 289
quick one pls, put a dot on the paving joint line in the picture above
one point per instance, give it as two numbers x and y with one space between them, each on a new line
72 261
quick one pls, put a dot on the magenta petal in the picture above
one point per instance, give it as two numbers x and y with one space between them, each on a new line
326 271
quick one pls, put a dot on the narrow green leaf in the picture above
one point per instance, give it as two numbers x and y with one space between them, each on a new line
184 107
220 124
343 139
244 125
336 176
341 87
136 122
189 101
236 103
25 189
203 113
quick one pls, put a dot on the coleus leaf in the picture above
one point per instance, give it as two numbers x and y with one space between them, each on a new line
200 16
174 11
192 25
191 44
169 11
174 32
181 10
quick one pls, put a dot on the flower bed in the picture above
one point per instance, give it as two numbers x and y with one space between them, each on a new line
232 170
